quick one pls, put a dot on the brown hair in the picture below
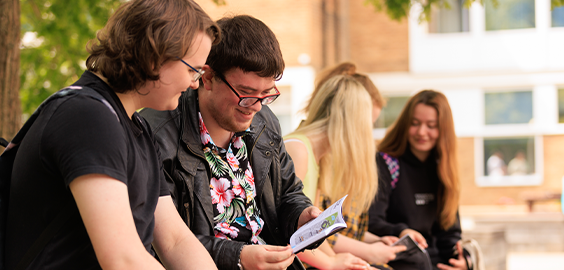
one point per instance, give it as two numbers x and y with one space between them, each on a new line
144 34
348 68
247 43
396 141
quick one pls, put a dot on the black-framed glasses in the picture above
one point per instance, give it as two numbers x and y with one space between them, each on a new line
199 72
248 101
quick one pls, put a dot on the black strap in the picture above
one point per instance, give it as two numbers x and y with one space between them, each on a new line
46 236
3 142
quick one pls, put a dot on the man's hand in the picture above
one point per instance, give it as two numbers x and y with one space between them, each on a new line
266 257
455 264
416 236
308 214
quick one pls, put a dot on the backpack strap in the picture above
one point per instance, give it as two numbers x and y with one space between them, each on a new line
393 167
7 159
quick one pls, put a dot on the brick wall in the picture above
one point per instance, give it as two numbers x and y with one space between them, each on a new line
378 44
329 31
473 195
296 23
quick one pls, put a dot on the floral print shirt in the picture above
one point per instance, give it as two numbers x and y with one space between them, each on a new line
232 187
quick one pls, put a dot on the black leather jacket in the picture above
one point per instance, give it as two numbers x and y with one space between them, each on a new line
279 191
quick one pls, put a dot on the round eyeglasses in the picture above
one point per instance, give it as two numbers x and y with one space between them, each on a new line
199 72
248 101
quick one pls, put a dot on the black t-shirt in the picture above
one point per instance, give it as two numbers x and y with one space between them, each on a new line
413 203
75 136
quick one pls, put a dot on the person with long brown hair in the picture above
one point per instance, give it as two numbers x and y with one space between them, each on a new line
333 152
421 198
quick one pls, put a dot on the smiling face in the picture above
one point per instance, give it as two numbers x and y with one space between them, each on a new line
423 131
176 77
220 106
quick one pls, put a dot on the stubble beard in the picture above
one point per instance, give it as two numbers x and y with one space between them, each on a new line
227 123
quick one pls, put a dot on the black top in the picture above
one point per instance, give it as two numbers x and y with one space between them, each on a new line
412 204
280 199
75 136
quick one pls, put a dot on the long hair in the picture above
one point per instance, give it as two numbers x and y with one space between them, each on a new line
348 68
342 109
396 141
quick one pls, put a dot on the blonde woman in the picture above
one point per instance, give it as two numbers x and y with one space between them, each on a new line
422 200
333 153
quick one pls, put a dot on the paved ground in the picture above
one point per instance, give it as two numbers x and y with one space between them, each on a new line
534 261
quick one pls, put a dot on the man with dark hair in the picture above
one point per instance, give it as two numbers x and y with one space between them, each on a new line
229 174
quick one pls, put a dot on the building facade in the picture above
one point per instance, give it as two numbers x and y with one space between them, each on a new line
500 66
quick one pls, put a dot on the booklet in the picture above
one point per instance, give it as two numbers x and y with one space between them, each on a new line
312 234
411 247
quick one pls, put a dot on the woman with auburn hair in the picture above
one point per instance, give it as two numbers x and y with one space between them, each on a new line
422 200
333 153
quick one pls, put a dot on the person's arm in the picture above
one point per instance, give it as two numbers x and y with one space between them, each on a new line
447 240
325 258
175 244
293 202
378 223
266 257
103 203
377 252
372 238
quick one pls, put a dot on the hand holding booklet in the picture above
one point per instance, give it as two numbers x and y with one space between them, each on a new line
314 232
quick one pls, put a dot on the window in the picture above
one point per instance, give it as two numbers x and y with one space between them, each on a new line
509 14
281 107
391 112
509 161
561 105
509 156
508 107
557 15
449 19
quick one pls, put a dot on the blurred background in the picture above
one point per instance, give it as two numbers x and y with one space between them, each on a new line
499 62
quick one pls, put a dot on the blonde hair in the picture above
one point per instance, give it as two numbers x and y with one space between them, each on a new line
348 68
396 139
342 109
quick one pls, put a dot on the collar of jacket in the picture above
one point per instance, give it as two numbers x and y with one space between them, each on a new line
190 136
188 106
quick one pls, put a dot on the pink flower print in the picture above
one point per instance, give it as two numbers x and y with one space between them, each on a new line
238 142
237 189
204 134
249 177
256 229
227 230
220 193
254 225
254 239
232 160
220 235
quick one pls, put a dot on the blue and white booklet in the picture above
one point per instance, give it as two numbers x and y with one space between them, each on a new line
312 234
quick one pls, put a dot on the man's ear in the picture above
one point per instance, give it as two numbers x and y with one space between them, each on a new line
207 78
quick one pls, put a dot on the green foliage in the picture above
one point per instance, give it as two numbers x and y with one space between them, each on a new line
64 27
399 9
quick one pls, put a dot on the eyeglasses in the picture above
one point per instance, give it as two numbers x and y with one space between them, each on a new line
199 72
248 101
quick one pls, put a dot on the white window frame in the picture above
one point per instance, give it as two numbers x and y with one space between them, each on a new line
534 179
